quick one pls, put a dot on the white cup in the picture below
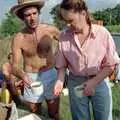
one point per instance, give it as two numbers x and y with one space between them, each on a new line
79 90
37 88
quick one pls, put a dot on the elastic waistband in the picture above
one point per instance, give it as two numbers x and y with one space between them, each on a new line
41 71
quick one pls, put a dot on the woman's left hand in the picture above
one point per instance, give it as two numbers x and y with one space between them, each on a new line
89 87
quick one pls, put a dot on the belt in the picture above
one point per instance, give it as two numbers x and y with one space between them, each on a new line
88 76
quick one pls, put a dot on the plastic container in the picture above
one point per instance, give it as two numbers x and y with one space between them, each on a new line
30 117
37 88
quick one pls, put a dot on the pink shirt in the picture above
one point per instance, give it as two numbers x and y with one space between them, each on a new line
97 52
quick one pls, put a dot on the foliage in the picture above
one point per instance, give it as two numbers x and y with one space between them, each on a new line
116 102
56 19
110 16
5 46
10 25
113 28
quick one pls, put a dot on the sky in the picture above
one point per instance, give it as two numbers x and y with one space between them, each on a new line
93 5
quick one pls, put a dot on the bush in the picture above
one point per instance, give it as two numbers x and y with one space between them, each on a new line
10 25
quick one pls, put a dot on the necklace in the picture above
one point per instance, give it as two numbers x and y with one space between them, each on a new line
35 39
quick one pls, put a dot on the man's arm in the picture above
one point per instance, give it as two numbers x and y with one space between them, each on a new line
16 51
17 54
56 33
5 71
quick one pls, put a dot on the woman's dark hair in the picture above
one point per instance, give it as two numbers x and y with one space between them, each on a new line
76 6
20 12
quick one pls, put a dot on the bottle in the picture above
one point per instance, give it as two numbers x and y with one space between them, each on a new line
5 96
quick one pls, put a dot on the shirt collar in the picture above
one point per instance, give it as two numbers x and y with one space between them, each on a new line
92 32
91 35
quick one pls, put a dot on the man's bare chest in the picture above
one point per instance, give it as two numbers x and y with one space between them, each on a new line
33 46
29 45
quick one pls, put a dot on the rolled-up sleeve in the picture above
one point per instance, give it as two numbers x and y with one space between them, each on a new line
60 58
111 57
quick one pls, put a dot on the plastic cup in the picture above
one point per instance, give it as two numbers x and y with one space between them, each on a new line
79 90
37 88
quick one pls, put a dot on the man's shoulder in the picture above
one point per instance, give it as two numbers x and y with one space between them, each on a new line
19 36
47 26
51 30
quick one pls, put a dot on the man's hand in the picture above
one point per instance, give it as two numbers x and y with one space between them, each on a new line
89 87
19 83
58 87
27 80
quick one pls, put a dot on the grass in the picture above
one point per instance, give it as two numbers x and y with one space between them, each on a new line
64 109
113 28
64 106
65 113
5 45
116 102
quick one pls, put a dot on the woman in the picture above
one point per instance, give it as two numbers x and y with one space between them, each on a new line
88 51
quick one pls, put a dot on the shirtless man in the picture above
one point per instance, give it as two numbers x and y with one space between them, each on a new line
37 65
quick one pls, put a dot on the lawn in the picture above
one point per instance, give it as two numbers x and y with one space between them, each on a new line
64 106
116 102
65 111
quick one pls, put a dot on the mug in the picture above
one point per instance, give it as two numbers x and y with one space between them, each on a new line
79 90
37 88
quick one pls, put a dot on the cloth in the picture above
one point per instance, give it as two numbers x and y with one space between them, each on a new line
80 105
118 72
14 112
107 80
8 111
3 112
1 78
48 79
97 52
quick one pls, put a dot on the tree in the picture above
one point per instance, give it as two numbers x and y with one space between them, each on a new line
56 18
10 25
110 16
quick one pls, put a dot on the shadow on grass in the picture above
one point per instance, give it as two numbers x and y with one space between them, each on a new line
23 111
116 113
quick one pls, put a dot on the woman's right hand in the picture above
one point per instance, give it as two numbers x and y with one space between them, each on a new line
58 87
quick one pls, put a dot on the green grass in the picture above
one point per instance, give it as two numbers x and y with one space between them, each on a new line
64 105
5 45
113 28
64 109
116 102
65 113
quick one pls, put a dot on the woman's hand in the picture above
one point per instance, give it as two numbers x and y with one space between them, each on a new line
89 87
58 87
